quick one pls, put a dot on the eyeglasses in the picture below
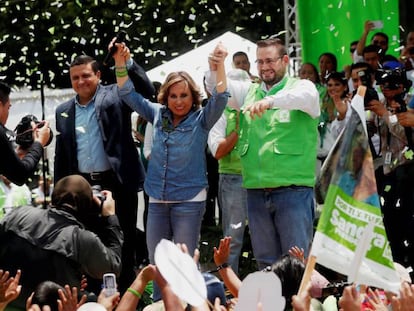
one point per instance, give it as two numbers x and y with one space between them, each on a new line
267 61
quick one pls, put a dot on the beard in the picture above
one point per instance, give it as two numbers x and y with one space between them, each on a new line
271 77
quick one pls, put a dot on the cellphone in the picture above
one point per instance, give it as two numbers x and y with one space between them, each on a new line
378 24
109 284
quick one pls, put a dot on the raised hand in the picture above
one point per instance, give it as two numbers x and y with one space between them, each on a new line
9 287
222 253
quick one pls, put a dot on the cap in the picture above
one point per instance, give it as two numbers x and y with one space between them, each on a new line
215 288
392 64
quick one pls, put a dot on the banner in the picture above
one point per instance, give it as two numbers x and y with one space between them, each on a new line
350 237
330 26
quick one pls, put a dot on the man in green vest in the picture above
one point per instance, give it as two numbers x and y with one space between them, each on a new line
277 145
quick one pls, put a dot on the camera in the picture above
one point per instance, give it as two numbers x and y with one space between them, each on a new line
392 78
334 289
24 131
365 76
97 192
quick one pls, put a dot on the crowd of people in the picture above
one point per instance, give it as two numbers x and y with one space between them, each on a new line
270 134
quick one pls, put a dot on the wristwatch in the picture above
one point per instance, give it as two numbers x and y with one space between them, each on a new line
222 266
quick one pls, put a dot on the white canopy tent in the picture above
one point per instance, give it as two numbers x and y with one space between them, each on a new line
25 101
195 61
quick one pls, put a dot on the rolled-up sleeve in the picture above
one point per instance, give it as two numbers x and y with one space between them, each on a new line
302 95
217 134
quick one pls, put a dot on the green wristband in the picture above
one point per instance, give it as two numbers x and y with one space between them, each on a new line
121 74
134 292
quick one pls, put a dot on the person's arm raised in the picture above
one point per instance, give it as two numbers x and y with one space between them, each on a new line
217 58
121 55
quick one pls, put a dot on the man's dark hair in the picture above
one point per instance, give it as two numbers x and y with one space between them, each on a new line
73 194
381 34
240 53
278 43
371 48
4 92
84 60
46 294
362 65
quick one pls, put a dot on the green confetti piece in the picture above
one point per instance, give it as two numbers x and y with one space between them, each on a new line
77 22
268 18
409 154
387 188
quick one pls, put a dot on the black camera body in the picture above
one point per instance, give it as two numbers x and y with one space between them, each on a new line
393 78
365 77
24 131
366 80
97 192
334 289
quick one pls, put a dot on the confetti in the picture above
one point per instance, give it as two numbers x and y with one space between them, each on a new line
56 32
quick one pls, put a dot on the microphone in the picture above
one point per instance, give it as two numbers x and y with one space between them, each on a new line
120 37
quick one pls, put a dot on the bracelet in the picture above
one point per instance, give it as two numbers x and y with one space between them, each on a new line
121 74
120 67
218 268
134 292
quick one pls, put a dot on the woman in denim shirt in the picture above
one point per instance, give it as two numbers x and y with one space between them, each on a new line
176 180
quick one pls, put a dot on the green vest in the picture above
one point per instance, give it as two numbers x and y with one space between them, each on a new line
279 148
230 164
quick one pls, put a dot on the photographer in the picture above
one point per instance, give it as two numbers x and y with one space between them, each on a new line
362 74
397 154
56 243
15 169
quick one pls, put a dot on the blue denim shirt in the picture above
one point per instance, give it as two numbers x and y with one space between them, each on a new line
177 168
90 147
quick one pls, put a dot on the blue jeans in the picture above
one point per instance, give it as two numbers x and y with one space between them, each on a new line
279 219
233 203
178 222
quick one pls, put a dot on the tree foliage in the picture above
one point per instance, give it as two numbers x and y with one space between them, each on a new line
39 38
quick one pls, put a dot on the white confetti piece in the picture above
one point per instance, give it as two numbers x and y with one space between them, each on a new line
238 225
81 129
